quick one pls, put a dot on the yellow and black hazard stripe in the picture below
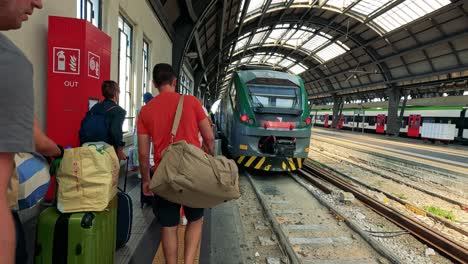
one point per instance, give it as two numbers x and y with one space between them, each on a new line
264 163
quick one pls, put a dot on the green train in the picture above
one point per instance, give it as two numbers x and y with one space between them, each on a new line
264 120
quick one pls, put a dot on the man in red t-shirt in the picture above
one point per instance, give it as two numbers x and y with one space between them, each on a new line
155 123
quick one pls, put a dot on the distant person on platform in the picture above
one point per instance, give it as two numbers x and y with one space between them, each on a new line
155 123
17 113
211 114
104 121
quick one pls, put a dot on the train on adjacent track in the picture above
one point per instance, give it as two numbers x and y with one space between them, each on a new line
264 120
440 123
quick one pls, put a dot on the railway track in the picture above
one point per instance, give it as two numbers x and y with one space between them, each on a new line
306 230
399 177
452 249
442 167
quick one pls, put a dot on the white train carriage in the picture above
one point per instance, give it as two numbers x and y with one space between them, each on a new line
445 123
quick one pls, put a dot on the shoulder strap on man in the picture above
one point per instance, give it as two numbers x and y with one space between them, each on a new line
177 117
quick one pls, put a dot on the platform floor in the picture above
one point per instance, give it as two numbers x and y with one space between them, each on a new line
221 234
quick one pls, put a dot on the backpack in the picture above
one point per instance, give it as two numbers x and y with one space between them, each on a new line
95 126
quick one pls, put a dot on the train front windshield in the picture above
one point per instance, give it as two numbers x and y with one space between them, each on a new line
288 97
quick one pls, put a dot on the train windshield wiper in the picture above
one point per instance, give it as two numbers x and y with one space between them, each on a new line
257 102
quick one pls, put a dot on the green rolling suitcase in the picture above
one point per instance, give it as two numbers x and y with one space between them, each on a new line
76 238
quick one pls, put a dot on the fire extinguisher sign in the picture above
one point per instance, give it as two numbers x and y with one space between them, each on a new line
94 65
66 60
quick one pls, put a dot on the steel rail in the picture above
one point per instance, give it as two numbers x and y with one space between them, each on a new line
285 245
452 249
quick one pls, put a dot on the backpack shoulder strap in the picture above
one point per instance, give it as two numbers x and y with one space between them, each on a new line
177 117
110 108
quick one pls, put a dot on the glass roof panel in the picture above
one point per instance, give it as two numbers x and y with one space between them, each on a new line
282 26
288 35
241 44
275 35
286 63
340 4
342 45
298 38
245 59
330 51
276 2
302 2
407 12
257 58
255 5
314 43
273 59
257 38
297 69
367 7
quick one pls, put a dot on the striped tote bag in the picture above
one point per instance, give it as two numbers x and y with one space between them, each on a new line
33 178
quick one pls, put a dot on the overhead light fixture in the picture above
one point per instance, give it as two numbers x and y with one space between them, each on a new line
192 55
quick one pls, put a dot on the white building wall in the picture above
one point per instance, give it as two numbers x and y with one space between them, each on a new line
32 39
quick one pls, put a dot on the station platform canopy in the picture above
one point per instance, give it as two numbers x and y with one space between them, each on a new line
349 48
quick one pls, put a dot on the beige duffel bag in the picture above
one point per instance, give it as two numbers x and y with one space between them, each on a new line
189 176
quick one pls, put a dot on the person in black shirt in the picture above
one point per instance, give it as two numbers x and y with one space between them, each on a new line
114 116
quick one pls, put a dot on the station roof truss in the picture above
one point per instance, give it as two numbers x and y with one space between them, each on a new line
350 48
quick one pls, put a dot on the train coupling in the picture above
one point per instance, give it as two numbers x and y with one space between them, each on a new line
279 146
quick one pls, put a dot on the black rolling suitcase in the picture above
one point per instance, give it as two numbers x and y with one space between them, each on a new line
124 214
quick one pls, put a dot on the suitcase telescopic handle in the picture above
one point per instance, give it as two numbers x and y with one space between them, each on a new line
125 177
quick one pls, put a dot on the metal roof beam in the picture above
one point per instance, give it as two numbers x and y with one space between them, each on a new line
412 49
190 10
408 78
220 36
200 54
370 42
315 21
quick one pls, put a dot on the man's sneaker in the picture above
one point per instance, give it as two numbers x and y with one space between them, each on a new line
184 220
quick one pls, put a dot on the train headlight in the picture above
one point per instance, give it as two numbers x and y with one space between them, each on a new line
251 122
244 118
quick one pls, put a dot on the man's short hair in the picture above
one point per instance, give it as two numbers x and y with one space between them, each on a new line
109 89
163 73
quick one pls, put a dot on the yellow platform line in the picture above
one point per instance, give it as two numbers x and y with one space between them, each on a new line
250 161
260 163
